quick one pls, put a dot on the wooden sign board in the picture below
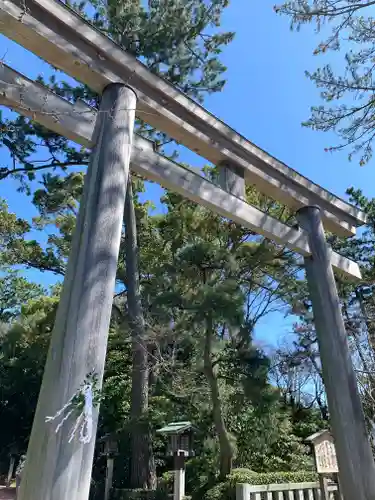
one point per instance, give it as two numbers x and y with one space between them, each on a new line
324 452
325 457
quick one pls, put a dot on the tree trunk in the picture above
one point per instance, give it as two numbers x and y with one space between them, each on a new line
369 397
142 467
226 448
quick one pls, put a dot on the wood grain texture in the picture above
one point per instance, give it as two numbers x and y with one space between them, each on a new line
56 469
232 179
355 460
58 35
77 123
323 481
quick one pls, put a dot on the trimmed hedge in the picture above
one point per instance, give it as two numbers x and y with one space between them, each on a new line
227 489
250 477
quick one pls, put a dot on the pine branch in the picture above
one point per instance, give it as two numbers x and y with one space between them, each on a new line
5 172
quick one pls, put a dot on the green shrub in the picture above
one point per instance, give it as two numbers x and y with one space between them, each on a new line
165 482
221 491
137 494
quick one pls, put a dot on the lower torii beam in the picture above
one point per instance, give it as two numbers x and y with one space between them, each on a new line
354 455
76 122
55 468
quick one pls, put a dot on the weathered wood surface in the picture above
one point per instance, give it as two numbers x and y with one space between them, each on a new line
324 452
77 123
326 460
354 456
232 179
57 34
56 469
324 492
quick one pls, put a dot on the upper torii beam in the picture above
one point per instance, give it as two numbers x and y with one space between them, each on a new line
60 36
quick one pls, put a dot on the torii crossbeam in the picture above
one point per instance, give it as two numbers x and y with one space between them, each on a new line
77 121
64 39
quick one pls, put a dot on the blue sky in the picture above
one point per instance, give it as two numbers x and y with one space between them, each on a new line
266 99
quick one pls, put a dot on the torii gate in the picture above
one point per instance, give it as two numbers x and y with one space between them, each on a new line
55 468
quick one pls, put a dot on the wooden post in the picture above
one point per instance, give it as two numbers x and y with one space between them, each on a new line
11 469
179 476
109 477
355 460
336 478
242 491
232 179
56 469
323 482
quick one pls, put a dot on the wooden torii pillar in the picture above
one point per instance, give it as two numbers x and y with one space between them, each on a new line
55 468
354 455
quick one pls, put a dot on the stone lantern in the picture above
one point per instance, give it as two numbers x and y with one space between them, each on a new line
180 446
180 436
109 445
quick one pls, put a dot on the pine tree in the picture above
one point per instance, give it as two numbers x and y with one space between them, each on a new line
177 40
349 108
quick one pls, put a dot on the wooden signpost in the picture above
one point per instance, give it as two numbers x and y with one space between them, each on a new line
325 460
324 452
59 461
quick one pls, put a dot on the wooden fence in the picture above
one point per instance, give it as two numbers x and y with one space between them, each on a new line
287 491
